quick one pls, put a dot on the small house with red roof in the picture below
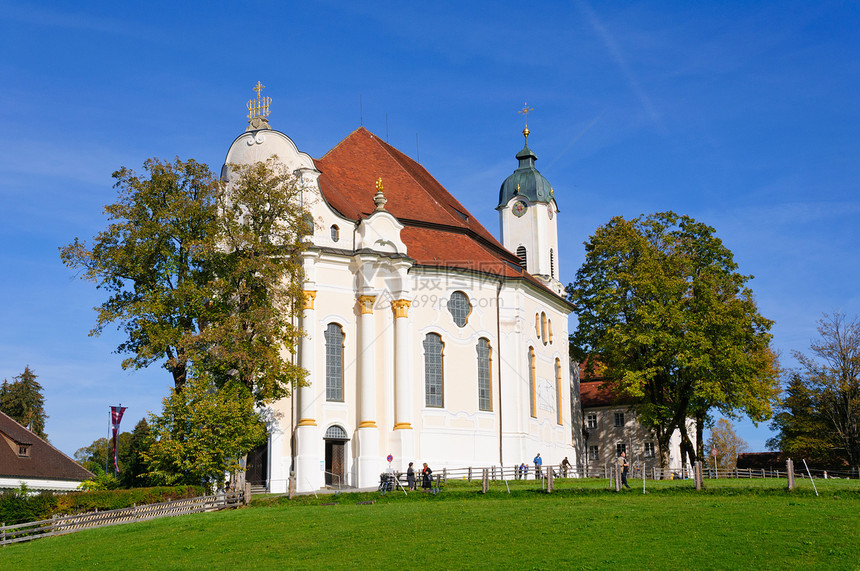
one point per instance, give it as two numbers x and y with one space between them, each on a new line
428 339
27 459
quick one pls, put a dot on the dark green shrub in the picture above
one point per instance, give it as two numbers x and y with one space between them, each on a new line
19 506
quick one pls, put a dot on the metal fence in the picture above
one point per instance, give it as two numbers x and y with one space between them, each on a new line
59 525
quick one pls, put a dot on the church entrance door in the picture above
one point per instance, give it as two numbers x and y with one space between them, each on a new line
256 466
335 456
334 462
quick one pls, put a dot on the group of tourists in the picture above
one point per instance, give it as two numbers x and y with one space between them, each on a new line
522 472
426 477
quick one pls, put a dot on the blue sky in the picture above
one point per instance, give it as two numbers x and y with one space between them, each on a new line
741 115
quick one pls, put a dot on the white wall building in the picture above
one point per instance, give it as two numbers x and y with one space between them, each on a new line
426 338
611 426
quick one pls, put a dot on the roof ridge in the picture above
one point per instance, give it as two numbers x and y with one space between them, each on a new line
394 152
339 143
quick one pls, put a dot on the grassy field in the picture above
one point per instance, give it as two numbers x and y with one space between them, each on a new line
733 524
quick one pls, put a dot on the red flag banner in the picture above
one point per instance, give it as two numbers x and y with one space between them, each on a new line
116 413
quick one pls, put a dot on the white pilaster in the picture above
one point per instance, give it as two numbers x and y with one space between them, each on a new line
308 442
369 463
403 433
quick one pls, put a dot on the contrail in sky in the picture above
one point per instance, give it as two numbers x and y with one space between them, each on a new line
620 61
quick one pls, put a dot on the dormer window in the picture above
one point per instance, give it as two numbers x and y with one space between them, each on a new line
23 450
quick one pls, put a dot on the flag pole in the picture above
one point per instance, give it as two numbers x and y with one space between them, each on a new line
107 444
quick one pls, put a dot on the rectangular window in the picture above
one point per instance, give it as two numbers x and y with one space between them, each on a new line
649 449
619 419
433 381
485 393
532 384
591 421
619 448
593 453
334 363
558 401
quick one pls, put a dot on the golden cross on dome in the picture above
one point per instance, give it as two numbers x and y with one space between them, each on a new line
525 113
259 107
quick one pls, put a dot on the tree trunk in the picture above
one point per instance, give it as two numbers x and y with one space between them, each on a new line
700 436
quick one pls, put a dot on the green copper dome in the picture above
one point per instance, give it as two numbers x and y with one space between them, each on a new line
526 181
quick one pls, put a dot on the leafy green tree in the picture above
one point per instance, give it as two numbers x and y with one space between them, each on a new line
154 260
204 275
259 277
727 443
662 307
135 472
203 433
801 432
95 456
22 400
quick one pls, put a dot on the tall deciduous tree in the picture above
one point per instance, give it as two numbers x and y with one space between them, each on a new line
259 273
154 260
662 307
22 400
727 443
831 373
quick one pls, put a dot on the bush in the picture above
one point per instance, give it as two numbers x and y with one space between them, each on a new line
83 502
19 506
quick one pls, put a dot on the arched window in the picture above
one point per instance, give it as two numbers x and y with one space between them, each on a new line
558 399
551 264
335 432
532 384
485 393
335 233
549 329
334 363
433 379
521 254
537 325
460 308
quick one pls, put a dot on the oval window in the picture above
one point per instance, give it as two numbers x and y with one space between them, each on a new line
460 308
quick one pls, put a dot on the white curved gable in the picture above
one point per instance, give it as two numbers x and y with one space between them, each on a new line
253 146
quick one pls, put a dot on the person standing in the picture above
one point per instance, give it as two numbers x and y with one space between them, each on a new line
624 466
565 465
410 477
426 477
538 464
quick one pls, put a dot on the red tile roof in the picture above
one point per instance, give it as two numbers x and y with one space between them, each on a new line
439 230
43 460
595 393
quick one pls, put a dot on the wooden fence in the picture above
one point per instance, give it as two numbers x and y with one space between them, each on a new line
59 525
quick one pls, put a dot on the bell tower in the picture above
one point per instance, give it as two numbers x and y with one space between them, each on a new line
527 216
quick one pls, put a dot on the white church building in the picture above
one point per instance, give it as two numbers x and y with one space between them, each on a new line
427 338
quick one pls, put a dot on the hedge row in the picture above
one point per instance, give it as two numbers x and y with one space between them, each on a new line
19 506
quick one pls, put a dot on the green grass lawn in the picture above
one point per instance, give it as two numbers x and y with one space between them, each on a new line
733 524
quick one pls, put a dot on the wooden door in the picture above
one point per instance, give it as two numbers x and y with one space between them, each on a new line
337 462
256 466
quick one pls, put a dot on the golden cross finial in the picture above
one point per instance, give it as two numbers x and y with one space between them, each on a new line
259 107
525 113
379 184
